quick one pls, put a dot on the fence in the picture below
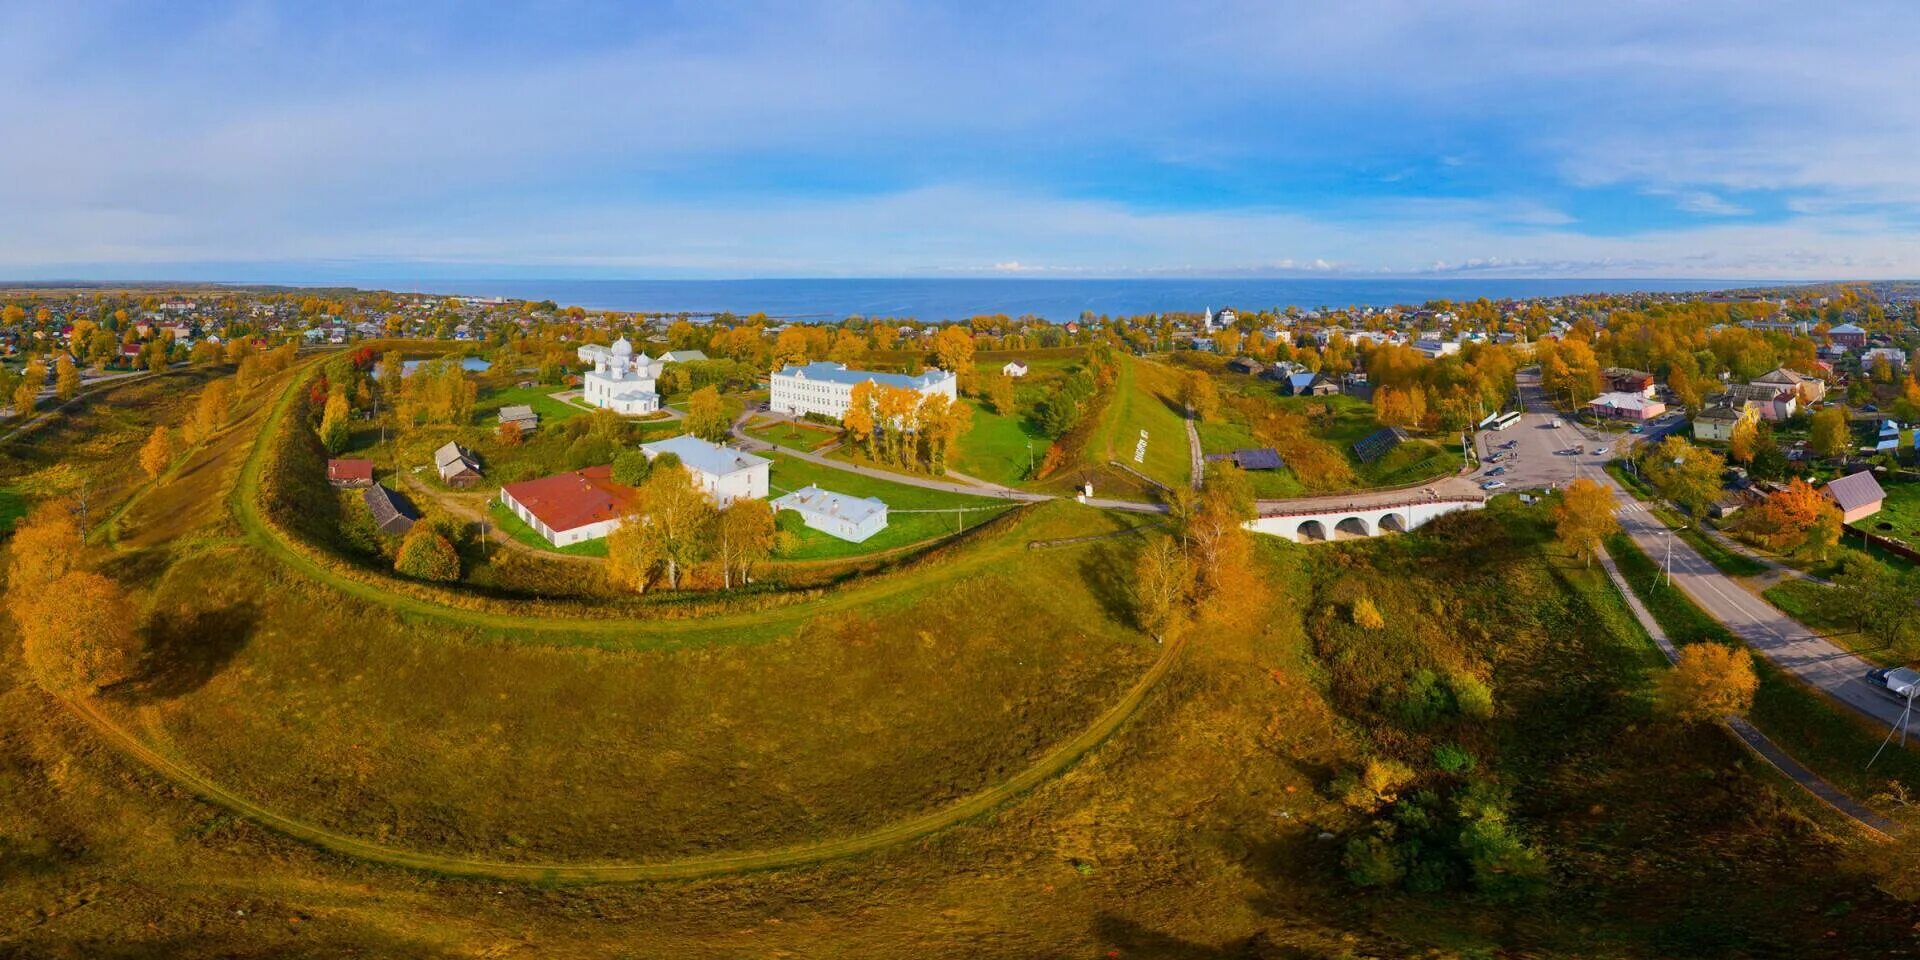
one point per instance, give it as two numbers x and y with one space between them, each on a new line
1888 544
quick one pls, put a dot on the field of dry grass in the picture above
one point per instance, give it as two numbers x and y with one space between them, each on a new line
1192 832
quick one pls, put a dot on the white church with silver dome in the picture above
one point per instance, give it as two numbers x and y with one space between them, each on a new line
621 380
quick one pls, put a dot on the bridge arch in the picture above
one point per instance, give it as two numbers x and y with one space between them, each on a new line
1311 531
1394 523
1352 527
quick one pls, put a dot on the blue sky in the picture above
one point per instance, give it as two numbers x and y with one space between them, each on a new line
281 141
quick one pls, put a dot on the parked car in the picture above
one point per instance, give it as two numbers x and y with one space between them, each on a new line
1636 428
1493 485
1600 451
1496 471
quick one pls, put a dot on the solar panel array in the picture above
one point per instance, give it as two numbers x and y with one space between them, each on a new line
1376 444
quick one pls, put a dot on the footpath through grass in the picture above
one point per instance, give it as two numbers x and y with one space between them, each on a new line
1819 733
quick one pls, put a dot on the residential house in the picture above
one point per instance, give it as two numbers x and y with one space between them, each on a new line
1626 380
1014 368
570 508
350 473
1434 348
836 514
1896 359
1626 406
724 473
1848 335
522 416
1858 495
1776 402
392 513
1246 365
1718 420
1808 389
1889 437
456 465
683 356
1307 384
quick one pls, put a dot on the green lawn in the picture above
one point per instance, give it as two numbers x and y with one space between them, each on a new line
518 529
904 525
1226 434
487 408
793 434
1142 401
1900 513
13 506
998 448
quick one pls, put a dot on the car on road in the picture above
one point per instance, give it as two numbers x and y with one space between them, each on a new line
1899 681
1636 428
1600 451
1510 444
1493 485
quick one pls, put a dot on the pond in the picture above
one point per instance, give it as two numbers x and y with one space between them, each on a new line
469 364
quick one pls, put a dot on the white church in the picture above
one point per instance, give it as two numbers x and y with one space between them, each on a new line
620 380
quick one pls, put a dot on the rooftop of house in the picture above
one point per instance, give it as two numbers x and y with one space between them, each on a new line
566 501
704 456
830 372
516 412
1855 490
349 470
812 499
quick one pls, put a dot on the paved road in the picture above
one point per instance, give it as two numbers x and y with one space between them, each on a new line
1749 734
1783 640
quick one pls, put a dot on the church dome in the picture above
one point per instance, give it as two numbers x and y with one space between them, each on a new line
621 348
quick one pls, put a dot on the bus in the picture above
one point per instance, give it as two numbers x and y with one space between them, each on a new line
1506 420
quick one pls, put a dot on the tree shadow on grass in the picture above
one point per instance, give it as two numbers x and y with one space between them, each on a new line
1130 939
1107 569
184 651
138 569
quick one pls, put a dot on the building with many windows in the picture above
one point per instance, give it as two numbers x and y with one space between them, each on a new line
725 474
826 388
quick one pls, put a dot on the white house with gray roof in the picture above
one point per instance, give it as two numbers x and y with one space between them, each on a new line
836 514
724 473
826 388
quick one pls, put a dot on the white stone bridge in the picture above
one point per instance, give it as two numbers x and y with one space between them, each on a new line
1365 513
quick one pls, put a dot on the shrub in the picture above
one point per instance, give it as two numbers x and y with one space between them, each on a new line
426 555
1370 861
589 451
1453 758
631 468
1366 615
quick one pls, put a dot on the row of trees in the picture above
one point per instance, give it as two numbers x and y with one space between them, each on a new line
674 528
902 427
1204 561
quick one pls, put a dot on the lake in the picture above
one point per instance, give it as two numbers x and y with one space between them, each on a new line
1058 300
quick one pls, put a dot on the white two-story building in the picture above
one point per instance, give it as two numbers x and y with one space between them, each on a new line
724 473
826 388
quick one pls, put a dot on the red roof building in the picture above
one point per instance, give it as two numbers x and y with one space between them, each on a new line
350 473
569 508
